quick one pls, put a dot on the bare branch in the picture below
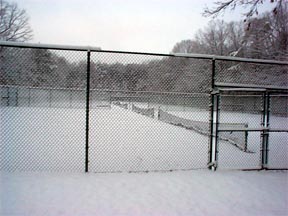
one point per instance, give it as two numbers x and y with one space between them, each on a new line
222 6
14 23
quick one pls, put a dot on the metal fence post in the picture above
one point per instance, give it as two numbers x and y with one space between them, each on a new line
267 123
265 131
87 111
216 131
211 105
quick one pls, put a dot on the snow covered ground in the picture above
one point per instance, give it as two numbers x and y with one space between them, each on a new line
41 141
185 193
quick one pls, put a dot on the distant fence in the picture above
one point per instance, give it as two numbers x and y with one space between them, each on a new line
21 96
227 100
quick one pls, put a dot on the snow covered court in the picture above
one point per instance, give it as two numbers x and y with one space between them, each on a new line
53 139
198 192
43 157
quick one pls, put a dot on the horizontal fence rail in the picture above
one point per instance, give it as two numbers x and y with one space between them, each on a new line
75 108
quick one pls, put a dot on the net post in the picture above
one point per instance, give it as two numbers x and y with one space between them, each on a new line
246 139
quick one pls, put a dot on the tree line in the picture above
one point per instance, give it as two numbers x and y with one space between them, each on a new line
53 69
263 37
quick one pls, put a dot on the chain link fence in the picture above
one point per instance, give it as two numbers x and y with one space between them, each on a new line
251 73
130 137
45 113
79 108
244 111
255 93
278 141
42 115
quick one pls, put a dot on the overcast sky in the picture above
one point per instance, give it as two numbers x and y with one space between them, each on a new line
128 25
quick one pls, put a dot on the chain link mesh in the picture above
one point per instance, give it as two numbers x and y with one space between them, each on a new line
148 112
38 131
130 136
43 93
249 108
278 141
251 73
240 110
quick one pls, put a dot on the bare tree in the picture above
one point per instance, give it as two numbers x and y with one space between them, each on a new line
14 23
279 26
218 38
235 34
187 46
267 35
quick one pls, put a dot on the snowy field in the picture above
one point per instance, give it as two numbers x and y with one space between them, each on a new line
53 139
179 193
41 141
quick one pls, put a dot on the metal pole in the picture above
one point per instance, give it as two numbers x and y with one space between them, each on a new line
210 154
87 111
264 133
267 125
211 106
216 131
213 73
246 139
